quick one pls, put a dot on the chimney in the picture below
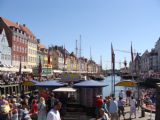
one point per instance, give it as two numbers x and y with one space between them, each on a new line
38 40
17 23
56 47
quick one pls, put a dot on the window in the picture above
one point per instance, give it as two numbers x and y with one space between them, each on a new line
2 57
15 37
17 48
23 49
9 57
13 57
22 58
14 48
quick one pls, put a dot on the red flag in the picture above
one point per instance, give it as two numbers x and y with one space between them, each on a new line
113 57
131 53
40 68
49 57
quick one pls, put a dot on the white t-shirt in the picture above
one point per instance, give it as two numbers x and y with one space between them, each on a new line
53 115
105 117
133 103
121 94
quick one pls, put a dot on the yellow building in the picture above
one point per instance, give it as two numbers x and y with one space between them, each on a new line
73 62
43 54
59 57
68 63
32 52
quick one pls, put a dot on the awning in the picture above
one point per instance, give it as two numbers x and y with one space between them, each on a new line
65 89
26 70
90 83
30 83
126 83
50 83
57 71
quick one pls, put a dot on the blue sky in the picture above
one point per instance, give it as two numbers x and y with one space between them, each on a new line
99 22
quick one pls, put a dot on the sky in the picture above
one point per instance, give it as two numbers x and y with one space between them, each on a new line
99 22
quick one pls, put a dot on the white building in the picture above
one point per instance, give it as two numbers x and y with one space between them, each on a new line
5 50
153 60
157 49
145 62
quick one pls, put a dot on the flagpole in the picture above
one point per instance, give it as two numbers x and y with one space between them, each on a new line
40 68
113 69
20 67
48 61
132 62
113 79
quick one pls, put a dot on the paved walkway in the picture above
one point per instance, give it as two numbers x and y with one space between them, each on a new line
83 116
148 116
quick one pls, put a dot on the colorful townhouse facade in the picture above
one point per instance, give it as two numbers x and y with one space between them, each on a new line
5 50
32 52
23 46
59 60
20 39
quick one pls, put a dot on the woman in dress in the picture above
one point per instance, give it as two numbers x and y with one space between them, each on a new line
42 109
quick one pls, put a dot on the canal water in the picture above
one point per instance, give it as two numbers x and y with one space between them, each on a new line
107 89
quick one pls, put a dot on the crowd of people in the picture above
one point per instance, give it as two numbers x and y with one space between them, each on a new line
48 106
11 78
33 106
113 108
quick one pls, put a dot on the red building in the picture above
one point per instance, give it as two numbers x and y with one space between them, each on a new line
18 36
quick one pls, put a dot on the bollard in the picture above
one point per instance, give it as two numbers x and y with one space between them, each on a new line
142 112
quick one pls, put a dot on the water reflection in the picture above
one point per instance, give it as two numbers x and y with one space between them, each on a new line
107 89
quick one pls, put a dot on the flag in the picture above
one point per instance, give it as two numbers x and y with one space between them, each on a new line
40 68
20 67
49 57
113 57
131 53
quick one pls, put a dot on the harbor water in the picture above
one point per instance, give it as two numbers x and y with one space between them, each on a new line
107 89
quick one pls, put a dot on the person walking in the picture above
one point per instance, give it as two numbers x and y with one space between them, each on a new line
128 96
121 107
121 94
54 113
34 110
42 109
103 115
113 109
132 107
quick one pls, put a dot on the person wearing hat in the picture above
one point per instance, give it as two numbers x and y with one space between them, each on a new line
54 113
103 115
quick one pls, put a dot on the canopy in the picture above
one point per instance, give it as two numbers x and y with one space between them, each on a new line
126 83
57 71
51 83
65 89
90 83
30 83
